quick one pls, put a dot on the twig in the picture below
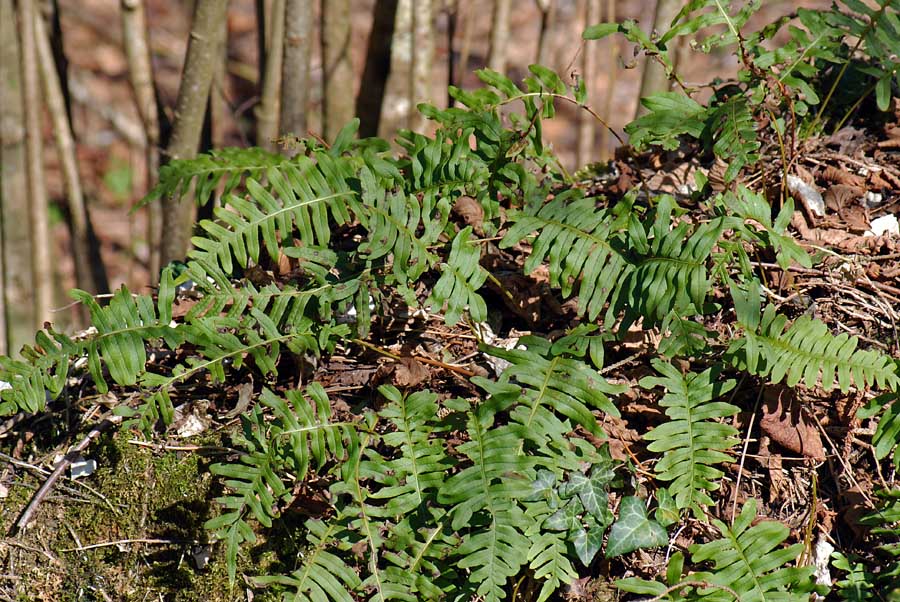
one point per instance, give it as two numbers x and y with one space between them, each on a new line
60 468
121 542
704 584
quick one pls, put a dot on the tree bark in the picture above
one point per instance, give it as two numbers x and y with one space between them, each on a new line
39 229
190 108
88 276
377 69
398 87
17 319
422 55
612 44
499 35
653 78
584 144
140 74
337 77
268 108
298 16
548 14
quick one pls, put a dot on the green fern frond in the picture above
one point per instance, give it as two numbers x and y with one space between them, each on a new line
575 238
887 433
207 171
300 431
544 384
749 565
461 278
804 351
692 442
323 576
732 126
749 560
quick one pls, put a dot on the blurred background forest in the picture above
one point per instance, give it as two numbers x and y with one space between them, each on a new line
95 95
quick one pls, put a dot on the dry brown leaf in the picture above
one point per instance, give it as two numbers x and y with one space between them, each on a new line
787 425
471 212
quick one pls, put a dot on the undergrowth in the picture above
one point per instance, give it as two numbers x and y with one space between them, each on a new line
514 495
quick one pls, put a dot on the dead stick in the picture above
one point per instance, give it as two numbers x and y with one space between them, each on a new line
60 468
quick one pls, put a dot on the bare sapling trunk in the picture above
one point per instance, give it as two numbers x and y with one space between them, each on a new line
377 69
196 79
88 277
268 108
422 55
466 47
298 15
396 108
337 76
585 127
548 14
39 228
140 74
654 78
17 319
611 70
499 35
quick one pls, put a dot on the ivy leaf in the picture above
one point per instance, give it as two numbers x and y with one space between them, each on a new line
587 543
667 510
566 518
592 493
634 530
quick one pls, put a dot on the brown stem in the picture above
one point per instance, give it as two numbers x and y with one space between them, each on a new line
298 16
337 76
140 74
268 108
190 108
39 227
86 276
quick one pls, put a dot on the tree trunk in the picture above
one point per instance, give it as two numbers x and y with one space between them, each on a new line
39 229
267 110
337 76
654 77
398 89
89 276
499 35
548 14
584 144
377 69
422 55
612 44
190 108
298 16
140 74
17 321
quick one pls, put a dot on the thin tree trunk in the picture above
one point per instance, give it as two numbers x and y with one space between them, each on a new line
499 35
611 56
548 14
15 244
337 77
654 78
398 89
466 48
584 145
219 111
88 277
452 9
39 229
268 108
190 108
140 73
298 16
422 55
377 69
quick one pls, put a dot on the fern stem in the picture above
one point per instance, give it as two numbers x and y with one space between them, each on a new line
418 358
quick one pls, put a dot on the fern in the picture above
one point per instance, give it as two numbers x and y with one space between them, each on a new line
803 351
748 565
733 128
461 277
297 434
692 442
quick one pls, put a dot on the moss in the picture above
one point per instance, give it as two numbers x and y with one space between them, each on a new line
139 493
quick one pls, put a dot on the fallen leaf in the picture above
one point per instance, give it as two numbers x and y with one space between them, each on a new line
787 425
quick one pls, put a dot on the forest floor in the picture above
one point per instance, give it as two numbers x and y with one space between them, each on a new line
133 529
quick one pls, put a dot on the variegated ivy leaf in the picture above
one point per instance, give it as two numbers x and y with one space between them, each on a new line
634 530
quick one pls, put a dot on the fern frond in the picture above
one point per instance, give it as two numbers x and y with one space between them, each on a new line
804 351
575 238
692 442
461 278
323 576
732 127
545 384
301 430
749 560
